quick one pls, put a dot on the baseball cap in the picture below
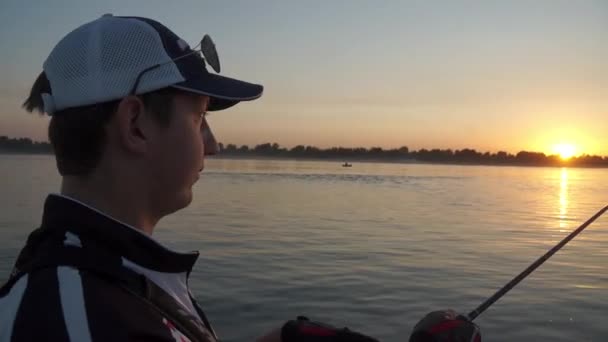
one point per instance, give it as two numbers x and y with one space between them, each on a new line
113 57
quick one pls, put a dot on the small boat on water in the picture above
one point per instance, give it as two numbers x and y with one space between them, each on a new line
347 165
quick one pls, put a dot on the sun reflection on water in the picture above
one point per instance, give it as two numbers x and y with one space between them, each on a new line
563 200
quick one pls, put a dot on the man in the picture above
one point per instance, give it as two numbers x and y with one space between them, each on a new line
127 99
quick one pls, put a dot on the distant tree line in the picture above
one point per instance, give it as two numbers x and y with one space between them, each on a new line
402 154
23 145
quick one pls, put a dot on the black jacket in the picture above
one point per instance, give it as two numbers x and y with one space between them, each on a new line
83 276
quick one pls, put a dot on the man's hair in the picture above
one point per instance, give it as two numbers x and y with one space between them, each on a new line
78 135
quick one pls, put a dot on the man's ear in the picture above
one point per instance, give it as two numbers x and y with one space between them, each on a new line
132 128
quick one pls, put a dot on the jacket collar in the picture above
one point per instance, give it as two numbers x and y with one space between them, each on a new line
62 213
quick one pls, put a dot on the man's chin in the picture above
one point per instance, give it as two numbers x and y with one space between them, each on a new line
179 202
186 199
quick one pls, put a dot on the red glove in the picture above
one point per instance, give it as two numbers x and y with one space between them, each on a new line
445 326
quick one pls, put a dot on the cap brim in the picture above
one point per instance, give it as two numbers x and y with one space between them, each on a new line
224 91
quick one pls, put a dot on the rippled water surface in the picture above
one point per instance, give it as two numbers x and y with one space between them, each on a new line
373 247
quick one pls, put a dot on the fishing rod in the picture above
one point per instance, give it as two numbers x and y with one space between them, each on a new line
481 308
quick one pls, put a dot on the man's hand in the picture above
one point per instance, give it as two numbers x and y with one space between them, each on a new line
445 326
304 330
273 336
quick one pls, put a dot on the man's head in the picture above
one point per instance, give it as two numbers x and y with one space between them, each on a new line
128 100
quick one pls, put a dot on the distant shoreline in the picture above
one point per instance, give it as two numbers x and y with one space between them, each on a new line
353 161
401 155
404 161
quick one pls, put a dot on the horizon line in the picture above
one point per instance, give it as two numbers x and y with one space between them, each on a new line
368 148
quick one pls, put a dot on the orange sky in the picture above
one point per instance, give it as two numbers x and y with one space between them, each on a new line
495 76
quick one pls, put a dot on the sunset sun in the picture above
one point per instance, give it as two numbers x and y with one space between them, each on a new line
565 151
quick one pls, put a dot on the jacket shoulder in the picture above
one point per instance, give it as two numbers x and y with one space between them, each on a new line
66 304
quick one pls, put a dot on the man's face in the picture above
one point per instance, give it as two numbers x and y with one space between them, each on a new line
178 153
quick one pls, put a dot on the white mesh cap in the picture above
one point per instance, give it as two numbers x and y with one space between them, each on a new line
101 60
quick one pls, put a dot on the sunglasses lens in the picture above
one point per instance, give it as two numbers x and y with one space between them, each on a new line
210 53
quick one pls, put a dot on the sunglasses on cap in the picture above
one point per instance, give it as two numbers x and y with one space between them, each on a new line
206 47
